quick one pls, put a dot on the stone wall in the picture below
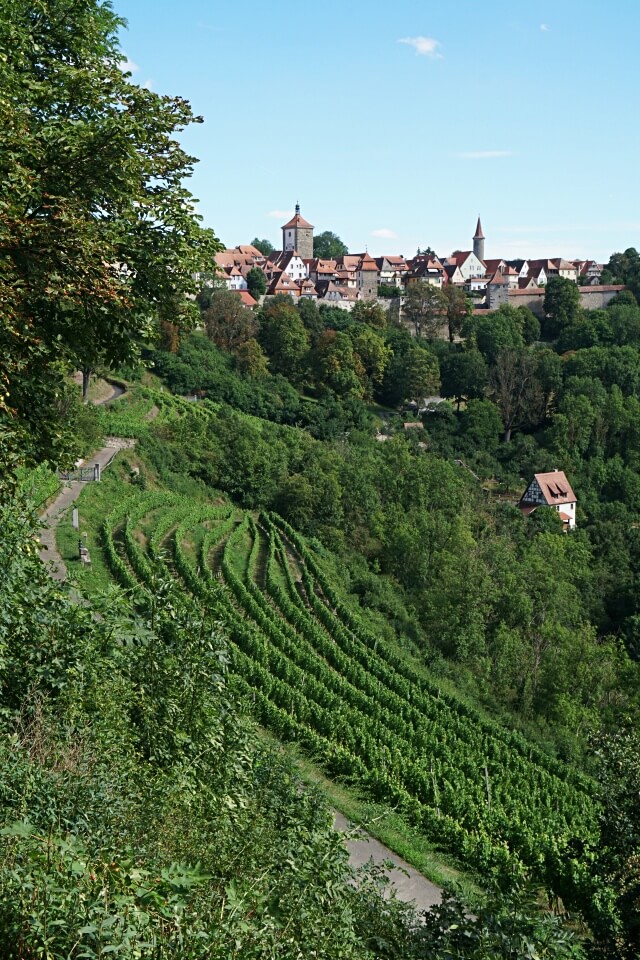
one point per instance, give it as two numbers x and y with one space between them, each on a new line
591 298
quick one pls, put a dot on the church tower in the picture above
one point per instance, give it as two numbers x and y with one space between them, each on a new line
297 235
478 242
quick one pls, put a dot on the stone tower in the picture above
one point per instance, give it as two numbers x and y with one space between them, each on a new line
478 242
297 235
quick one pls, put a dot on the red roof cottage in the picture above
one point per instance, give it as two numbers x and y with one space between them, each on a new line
551 490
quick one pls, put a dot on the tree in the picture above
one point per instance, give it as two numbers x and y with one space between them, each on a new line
265 247
284 338
515 389
99 237
496 331
369 312
256 283
457 308
421 374
337 366
424 306
374 355
616 918
463 375
328 246
561 305
228 322
251 361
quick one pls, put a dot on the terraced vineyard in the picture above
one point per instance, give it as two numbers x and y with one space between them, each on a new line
316 675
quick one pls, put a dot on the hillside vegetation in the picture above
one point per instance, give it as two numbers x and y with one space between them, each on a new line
290 563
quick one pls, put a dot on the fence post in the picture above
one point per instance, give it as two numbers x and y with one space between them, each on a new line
96 471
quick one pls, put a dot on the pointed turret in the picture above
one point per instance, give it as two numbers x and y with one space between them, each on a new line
478 241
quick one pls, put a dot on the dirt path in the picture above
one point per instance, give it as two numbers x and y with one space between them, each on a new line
52 515
408 883
71 491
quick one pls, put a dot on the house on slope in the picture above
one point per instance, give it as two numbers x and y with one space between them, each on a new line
551 490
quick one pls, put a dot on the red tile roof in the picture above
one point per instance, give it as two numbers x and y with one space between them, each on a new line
247 299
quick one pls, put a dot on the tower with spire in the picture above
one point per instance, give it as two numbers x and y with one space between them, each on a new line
297 235
478 241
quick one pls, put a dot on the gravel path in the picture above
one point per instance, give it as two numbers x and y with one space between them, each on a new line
69 493
408 883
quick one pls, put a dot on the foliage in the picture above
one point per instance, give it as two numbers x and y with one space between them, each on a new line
98 233
264 246
227 321
424 307
328 246
284 337
561 306
256 282
507 926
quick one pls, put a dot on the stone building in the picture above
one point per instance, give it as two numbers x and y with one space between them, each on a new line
297 235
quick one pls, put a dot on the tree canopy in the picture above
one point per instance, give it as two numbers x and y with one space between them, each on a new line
98 233
328 246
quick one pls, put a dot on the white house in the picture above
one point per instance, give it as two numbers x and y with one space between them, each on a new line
551 490
291 263
468 263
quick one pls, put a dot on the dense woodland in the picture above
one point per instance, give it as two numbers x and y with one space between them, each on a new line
287 553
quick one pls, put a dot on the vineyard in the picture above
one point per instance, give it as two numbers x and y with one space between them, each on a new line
316 675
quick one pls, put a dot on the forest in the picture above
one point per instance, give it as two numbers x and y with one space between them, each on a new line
298 559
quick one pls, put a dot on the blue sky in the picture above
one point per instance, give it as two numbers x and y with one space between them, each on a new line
396 125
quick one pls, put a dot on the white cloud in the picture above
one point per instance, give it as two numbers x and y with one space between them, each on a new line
148 84
384 233
127 65
484 154
425 46
280 214
544 27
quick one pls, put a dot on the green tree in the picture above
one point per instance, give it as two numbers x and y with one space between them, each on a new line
424 307
374 354
227 321
495 331
328 246
369 312
250 359
98 233
337 366
464 375
265 247
421 375
615 917
284 338
561 306
515 389
457 308
256 283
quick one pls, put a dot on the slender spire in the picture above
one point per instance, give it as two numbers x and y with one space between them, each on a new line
479 235
298 209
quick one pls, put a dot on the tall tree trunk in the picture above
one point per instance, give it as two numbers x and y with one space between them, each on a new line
86 376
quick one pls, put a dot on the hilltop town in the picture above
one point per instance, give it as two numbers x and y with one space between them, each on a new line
352 277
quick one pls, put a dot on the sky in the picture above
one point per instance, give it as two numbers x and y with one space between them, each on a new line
395 125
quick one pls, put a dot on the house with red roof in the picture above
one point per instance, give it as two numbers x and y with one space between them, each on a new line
551 490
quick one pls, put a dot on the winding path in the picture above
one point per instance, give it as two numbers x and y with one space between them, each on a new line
70 492
408 883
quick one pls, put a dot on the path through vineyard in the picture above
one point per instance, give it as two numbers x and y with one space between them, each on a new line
70 492
408 883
